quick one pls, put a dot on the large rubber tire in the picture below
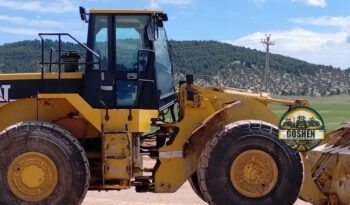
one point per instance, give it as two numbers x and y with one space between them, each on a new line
221 151
60 146
193 180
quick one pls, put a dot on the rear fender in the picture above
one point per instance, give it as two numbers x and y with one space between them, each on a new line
62 109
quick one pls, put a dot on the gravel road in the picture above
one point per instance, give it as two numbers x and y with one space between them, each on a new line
184 196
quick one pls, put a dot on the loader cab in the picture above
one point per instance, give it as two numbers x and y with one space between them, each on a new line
135 70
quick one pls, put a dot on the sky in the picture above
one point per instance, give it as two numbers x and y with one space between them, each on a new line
317 31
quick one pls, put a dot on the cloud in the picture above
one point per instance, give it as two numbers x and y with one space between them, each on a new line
156 4
303 44
316 3
326 21
22 31
30 22
57 6
259 2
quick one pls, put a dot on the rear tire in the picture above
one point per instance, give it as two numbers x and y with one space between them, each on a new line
220 157
33 148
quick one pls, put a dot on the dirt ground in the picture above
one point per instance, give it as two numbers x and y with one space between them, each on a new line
184 196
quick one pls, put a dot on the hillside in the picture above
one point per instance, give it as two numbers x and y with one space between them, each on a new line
215 63
224 64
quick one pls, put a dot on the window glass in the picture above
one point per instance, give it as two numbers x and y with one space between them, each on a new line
126 92
129 40
163 65
100 45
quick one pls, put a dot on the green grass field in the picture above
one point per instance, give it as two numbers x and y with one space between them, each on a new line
334 109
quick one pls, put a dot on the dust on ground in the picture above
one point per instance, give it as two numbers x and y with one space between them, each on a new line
184 196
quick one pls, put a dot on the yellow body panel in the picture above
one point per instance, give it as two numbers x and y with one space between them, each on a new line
117 145
249 106
118 169
140 120
310 192
37 76
18 111
78 103
72 112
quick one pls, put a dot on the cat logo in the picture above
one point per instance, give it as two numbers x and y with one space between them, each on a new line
4 93
301 128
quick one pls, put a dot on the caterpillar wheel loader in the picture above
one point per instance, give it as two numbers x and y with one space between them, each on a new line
91 121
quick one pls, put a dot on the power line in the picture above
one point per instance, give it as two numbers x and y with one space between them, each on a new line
267 43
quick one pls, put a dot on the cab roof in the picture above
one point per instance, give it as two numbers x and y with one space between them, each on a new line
124 11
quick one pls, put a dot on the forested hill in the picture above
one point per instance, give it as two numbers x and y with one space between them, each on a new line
224 64
215 63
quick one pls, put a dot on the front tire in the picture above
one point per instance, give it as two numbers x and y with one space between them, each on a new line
193 180
41 164
247 164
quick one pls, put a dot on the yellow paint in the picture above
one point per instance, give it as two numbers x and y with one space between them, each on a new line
32 176
118 120
117 169
126 11
77 102
68 108
310 191
25 109
117 159
117 145
71 112
254 173
37 76
207 101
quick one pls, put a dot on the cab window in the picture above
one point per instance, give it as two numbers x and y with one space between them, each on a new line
129 40
100 43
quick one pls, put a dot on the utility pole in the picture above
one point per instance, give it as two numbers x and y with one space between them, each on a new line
267 43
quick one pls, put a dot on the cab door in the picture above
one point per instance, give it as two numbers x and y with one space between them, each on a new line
135 85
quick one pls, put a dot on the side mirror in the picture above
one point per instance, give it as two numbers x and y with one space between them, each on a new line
83 14
160 23
145 57
165 17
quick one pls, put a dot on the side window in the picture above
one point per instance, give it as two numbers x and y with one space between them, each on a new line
163 65
100 45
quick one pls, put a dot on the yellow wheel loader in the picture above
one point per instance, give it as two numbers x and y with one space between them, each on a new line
94 121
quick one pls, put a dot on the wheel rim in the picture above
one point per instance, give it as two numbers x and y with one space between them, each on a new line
254 173
32 176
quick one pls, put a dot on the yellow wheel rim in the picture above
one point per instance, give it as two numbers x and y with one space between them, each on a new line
254 173
32 176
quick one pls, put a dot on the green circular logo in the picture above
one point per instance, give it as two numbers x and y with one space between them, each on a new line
302 128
